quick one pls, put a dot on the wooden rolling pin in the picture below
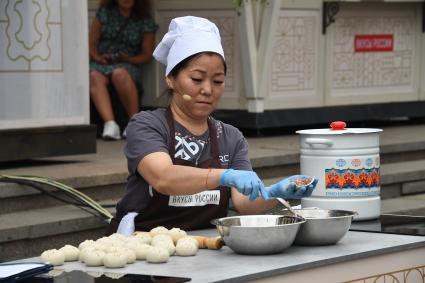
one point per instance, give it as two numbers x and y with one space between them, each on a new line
211 243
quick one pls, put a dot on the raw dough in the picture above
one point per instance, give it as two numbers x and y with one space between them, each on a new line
186 248
115 260
143 236
177 233
94 257
157 255
86 243
162 238
141 251
189 239
54 257
71 253
158 230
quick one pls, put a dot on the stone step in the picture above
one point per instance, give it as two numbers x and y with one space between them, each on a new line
28 233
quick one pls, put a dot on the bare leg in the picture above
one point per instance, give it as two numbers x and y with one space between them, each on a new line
127 90
100 96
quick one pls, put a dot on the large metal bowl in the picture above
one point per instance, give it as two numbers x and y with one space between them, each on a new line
258 234
322 226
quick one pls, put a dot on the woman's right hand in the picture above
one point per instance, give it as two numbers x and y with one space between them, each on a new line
246 182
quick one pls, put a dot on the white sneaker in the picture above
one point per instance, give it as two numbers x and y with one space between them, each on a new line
111 131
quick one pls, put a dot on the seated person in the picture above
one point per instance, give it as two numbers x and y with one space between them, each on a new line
122 37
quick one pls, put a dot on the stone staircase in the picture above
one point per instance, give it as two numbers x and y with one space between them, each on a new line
31 222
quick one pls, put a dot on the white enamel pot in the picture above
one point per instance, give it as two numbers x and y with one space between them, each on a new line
346 162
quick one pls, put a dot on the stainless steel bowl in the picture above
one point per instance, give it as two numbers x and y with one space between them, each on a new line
322 226
258 234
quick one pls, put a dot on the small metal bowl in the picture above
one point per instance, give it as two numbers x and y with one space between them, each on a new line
258 234
322 226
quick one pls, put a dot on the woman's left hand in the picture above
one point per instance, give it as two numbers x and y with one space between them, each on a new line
123 57
287 189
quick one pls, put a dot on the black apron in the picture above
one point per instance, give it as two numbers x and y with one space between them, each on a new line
159 213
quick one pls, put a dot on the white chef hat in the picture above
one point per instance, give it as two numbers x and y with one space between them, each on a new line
187 36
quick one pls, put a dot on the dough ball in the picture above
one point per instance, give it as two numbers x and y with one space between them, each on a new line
71 253
86 243
167 246
141 251
131 255
158 230
145 237
85 251
189 239
54 257
94 258
177 233
104 241
117 237
186 248
157 255
115 260
162 238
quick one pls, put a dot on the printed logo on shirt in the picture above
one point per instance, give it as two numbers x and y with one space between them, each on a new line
188 149
199 199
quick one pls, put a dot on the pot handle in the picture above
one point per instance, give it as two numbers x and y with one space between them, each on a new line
312 141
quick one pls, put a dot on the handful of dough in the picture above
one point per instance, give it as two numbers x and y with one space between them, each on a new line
54 257
93 257
186 248
164 241
157 255
115 260
177 233
71 253
158 230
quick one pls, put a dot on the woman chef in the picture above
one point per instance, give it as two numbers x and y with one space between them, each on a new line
184 165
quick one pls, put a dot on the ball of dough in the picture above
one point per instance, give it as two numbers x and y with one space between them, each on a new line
189 239
117 237
94 258
71 253
167 246
54 257
157 255
162 238
85 251
177 233
86 243
131 255
186 248
158 230
141 251
115 260
145 237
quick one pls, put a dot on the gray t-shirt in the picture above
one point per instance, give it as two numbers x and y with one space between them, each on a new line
148 132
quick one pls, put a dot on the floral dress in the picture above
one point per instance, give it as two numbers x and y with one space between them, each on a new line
121 34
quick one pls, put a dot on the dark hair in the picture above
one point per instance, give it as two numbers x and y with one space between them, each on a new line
183 64
141 8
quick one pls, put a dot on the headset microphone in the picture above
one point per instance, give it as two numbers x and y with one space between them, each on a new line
186 97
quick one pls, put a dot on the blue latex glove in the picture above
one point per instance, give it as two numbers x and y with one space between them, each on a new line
287 190
246 182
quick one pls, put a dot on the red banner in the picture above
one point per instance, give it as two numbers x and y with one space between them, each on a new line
374 43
